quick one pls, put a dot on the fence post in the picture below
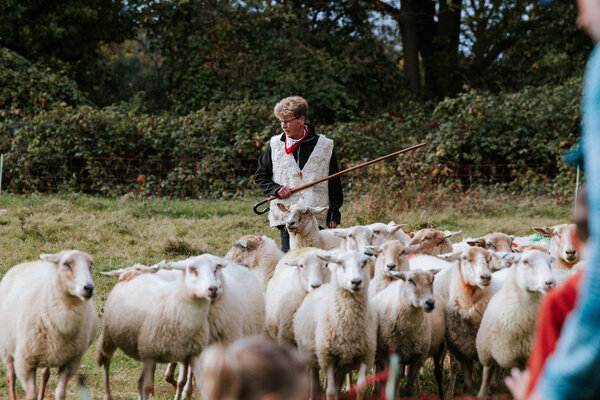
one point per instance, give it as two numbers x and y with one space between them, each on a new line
1 164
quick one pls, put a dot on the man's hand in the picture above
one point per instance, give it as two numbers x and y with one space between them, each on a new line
517 383
284 192
332 224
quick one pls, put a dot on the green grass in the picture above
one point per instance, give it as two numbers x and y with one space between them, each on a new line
119 233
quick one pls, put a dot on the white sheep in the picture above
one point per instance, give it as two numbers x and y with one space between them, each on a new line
507 328
561 246
153 319
46 319
335 327
433 241
298 273
237 310
304 229
467 285
391 259
391 231
402 310
495 241
357 237
259 253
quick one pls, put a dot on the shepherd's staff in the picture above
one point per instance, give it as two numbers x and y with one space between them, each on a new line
336 174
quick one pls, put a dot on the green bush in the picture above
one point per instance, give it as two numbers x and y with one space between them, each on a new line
27 88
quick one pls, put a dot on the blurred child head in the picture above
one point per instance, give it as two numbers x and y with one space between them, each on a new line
589 18
253 368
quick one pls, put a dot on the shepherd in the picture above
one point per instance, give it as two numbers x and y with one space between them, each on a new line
293 158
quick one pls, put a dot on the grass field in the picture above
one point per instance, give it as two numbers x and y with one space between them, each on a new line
119 233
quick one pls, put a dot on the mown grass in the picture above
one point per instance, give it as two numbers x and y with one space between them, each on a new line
119 233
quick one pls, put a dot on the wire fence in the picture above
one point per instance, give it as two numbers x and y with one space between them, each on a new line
214 178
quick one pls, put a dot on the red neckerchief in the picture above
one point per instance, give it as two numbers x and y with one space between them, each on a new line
290 150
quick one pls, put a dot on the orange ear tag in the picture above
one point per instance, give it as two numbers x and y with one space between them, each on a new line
300 174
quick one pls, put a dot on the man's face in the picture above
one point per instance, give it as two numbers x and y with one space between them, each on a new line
589 17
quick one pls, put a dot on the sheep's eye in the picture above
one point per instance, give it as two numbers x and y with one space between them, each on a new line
525 262
67 265
301 266
491 245
376 232
351 236
427 238
411 281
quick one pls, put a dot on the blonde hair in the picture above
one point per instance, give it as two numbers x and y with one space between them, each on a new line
294 105
251 368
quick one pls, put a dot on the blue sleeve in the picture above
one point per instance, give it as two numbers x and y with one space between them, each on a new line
572 372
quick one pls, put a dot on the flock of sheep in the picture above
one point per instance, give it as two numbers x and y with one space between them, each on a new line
344 297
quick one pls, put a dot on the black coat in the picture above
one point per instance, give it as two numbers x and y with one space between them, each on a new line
264 174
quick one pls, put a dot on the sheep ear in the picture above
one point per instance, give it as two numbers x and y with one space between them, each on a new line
328 257
116 272
398 227
477 242
53 258
435 271
544 231
449 256
242 244
283 208
450 234
181 265
317 210
409 249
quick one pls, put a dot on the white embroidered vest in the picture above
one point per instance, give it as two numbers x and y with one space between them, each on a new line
287 172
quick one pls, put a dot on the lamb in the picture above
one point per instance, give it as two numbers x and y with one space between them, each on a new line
335 327
433 241
402 310
304 228
259 253
158 320
391 259
467 285
298 273
507 328
46 319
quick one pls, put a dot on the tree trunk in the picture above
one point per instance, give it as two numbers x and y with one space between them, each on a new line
409 26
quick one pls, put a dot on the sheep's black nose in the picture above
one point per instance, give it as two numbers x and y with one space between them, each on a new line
486 277
356 281
315 285
212 292
88 290
391 266
429 304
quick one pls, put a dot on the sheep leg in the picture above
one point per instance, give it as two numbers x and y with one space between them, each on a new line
146 381
26 375
361 379
488 372
45 377
64 374
454 367
413 373
467 367
331 390
181 380
170 373
438 365
188 389
10 378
